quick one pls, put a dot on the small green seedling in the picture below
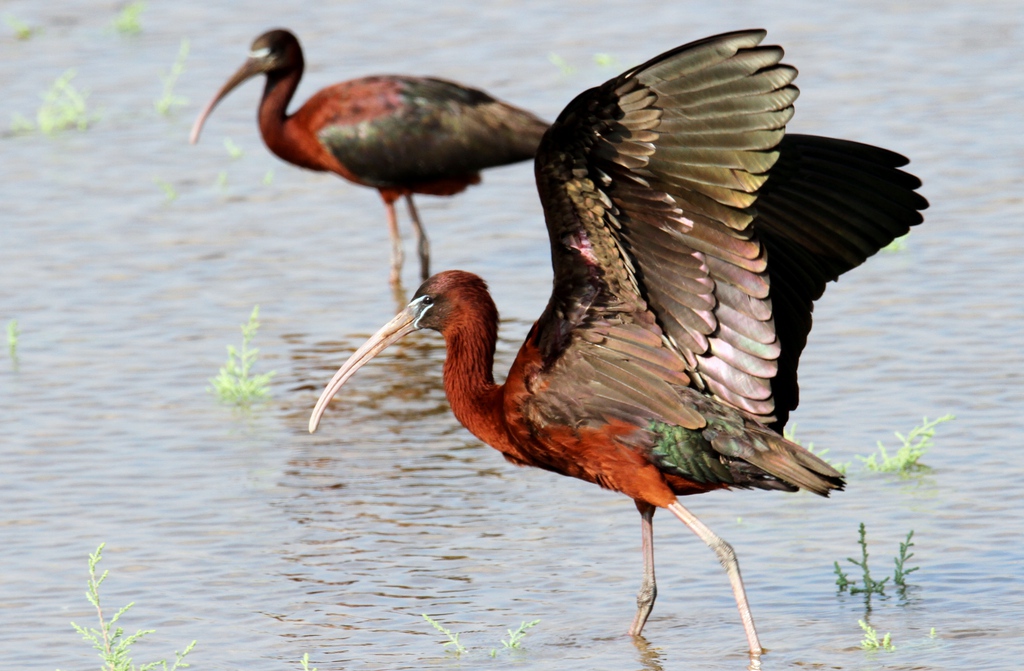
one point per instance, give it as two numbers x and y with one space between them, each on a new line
235 383
789 433
871 641
127 22
907 457
169 100
453 639
22 31
114 647
234 151
561 64
515 638
12 338
871 586
897 245
63 107
305 663
170 193
900 577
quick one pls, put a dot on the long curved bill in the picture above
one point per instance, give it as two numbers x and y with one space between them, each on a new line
250 68
404 323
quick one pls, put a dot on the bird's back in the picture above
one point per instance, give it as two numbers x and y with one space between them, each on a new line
393 131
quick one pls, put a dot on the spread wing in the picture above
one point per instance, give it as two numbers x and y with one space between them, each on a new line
648 185
392 130
677 260
828 206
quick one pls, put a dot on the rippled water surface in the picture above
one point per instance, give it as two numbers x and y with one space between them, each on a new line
264 542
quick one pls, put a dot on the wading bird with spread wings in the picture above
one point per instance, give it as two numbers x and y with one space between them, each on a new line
690 237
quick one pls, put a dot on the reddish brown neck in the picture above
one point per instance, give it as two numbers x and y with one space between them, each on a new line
468 375
277 94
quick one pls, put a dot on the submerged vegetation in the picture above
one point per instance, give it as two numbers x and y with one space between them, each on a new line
515 638
897 245
21 30
453 639
906 459
12 339
869 585
127 22
514 641
234 151
168 100
235 383
114 647
63 108
871 640
170 193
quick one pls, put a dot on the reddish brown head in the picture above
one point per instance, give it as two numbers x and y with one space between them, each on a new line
275 53
455 303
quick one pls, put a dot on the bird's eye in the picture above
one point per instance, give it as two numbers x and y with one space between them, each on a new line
428 300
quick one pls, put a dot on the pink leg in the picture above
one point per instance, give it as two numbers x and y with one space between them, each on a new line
397 257
422 244
727 556
648 588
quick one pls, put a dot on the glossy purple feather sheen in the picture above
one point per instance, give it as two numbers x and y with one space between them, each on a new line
677 205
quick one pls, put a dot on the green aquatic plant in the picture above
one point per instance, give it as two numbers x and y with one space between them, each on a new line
897 245
222 179
871 586
900 576
561 64
305 663
170 192
12 338
234 151
871 640
22 31
236 384
113 646
127 22
906 460
789 433
453 639
169 100
63 108
605 60
515 638
268 177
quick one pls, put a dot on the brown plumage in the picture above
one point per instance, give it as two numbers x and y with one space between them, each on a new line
400 135
689 239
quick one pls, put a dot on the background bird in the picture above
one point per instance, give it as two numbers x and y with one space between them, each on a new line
401 135
689 239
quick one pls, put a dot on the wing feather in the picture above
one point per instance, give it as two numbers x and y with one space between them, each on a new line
690 237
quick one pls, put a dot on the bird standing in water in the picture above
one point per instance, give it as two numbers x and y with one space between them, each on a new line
400 135
689 239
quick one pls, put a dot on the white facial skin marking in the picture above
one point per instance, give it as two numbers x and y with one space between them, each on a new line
259 53
417 302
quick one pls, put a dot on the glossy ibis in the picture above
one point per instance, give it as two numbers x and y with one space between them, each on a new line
400 135
689 239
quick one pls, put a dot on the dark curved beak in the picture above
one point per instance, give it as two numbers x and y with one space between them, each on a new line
404 323
249 69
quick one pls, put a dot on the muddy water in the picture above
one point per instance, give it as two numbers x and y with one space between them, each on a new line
263 542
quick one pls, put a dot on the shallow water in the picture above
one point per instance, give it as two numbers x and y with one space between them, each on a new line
263 542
